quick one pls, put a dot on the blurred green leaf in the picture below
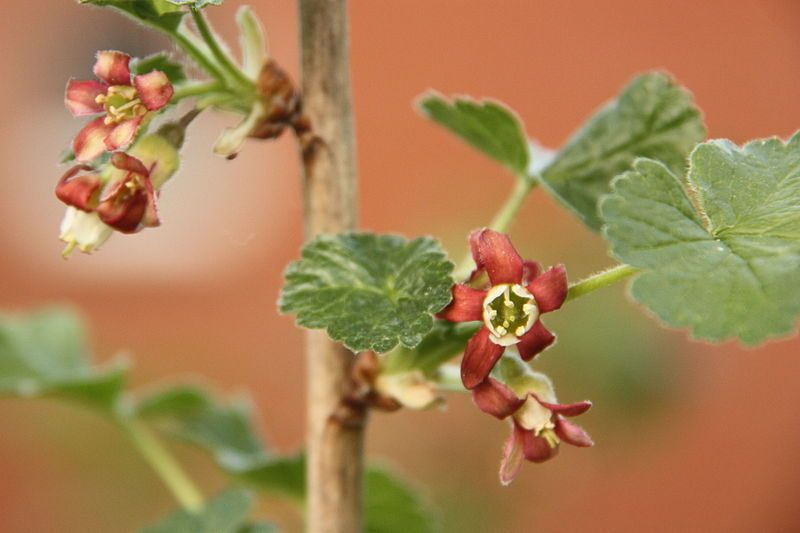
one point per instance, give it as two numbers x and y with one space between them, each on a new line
45 354
160 61
720 248
489 126
225 429
369 291
390 504
653 117
160 14
225 513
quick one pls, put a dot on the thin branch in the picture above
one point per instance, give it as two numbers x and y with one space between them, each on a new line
335 424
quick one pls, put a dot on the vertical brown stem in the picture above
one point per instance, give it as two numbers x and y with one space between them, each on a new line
335 429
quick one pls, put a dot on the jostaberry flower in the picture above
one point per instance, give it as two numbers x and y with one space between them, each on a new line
125 102
510 308
538 421
128 204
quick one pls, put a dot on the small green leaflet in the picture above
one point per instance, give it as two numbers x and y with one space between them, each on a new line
489 126
160 14
225 513
224 429
652 117
160 61
45 354
369 291
390 504
720 250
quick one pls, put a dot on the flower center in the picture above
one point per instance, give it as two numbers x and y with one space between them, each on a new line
537 418
121 103
509 311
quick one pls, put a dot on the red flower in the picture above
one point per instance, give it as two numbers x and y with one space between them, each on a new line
510 308
124 100
537 425
129 206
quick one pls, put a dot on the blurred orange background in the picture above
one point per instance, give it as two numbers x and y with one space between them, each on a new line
690 437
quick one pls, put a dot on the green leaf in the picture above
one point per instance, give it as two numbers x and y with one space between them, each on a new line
225 429
720 249
489 126
160 61
160 14
390 504
652 117
44 354
225 513
196 4
369 291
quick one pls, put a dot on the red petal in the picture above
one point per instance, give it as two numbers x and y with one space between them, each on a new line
567 409
494 398
154 89
535 341
480 356
124 216
127 162
550 289
81 97
512 455
150 219
79 191
112 67
572 433
90 141
123 133
466 306
494 252
536 449
530 271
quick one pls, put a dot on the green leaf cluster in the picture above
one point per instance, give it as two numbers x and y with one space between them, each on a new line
652 117
720 246
44 354
368 291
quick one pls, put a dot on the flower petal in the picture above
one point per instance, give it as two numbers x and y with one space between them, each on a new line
530 271
466 306
550 289
567 409
80 192
122 133
123 209
90 141
81 97
536 449
112 67
572 433
127 162
150 219
494 252
496 399
535 341
480 356
512 456
154 89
